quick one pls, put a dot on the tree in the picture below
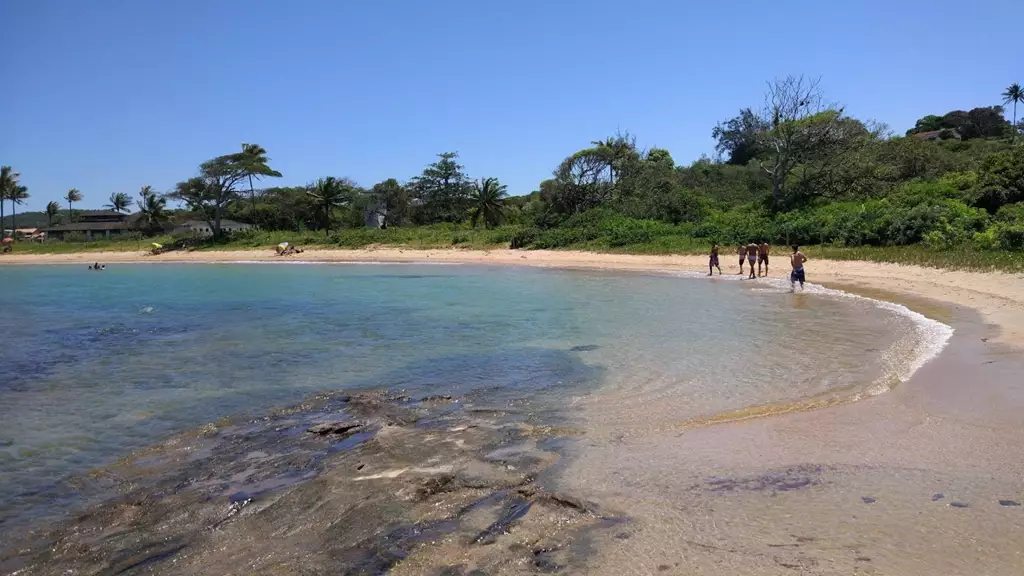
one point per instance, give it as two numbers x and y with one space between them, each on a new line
213 190
1013 95
578 184
52 209
488 202
152 210
73 195
444 189
615 151
395 200
254 160
8 182
800 126
16 194
329 193
740 137
119 202
1001 180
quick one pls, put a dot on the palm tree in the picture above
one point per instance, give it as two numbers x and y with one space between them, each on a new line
8 181
119 202
73 195
489 202
328 193
17 195
52 209
254 160
1013 95
151 209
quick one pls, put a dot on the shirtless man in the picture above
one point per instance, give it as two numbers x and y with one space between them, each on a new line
751 257
743 256
713 261
762 256
797 260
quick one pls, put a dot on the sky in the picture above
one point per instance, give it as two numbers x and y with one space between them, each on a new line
109 95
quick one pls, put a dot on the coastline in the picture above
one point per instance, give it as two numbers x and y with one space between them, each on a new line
833 490
997 296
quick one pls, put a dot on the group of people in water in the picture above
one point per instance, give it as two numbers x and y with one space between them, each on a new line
98 266
758 252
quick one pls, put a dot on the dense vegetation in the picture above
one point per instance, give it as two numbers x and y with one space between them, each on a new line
798 170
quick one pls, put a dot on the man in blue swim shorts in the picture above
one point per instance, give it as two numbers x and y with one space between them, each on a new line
796 260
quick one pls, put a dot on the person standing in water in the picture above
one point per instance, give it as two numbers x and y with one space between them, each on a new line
743 255
762 256
752 258
713 261
797 260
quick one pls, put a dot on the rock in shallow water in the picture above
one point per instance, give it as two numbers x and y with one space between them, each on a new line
1009 503
336 427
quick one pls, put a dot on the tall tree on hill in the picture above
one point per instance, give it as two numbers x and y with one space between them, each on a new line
73 195
489 202
1013 95
255 162
329 193
52 209
119 202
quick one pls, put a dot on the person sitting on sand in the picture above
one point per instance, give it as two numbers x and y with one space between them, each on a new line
713 261
743 256
752 257
762 256
797 260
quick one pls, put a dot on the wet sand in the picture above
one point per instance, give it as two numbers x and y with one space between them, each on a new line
924 479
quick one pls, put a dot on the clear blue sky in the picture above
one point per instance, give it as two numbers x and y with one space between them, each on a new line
108 95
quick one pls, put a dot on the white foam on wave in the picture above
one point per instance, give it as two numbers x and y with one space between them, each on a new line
904 357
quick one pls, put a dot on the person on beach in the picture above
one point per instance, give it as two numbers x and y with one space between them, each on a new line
713 261
762 256
743 256
797 260
751 258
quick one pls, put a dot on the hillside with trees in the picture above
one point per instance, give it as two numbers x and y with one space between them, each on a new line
796 168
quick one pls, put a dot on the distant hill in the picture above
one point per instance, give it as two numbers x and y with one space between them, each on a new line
27 220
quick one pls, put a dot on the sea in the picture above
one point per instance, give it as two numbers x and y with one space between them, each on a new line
95 366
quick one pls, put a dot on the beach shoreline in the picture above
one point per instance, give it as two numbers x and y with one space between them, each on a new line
790 479
997 296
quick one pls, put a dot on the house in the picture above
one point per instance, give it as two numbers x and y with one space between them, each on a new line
202 228
95 224
944 134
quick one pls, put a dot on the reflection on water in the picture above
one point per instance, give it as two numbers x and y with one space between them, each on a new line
96 366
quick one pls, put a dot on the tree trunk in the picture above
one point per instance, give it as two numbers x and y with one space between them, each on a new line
1013 133
327 220
252 196
14 219
1 214
216 222
70 218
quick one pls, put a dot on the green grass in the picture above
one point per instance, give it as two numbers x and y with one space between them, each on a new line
448 236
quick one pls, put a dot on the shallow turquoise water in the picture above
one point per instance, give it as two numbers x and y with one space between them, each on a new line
96 365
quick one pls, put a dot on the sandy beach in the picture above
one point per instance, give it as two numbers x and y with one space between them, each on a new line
923 479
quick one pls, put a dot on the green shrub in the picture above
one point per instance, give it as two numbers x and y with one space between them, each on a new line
1011 237
524 238
987 240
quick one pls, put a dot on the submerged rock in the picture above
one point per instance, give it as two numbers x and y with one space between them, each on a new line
337 427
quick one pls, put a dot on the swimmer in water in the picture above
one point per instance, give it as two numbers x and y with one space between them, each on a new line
797 260
713 261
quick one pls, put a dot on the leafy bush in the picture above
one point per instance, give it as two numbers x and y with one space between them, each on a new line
1011 236
523 238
